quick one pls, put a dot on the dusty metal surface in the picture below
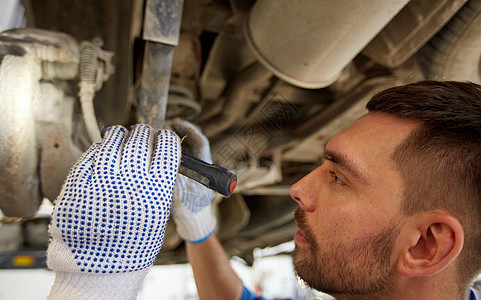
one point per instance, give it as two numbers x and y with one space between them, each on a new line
118 23
57 156
162 21
270 132
308 43
184 95
162 30
44 45
454 53
56 152
409 30
152 103
26 101
235 98
19 185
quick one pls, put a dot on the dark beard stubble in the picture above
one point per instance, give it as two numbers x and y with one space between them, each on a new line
361 267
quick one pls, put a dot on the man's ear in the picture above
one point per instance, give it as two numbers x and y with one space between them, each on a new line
435 240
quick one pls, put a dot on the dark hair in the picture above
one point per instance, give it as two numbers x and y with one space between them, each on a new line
441 160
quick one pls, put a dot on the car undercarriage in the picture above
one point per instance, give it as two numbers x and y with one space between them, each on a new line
269 83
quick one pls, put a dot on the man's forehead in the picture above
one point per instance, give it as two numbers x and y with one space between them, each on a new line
381 126
370 140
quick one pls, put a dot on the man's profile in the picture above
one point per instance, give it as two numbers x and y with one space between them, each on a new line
395 208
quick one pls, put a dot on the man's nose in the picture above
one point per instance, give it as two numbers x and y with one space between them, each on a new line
304 192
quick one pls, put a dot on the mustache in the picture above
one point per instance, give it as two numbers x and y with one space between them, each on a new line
301 222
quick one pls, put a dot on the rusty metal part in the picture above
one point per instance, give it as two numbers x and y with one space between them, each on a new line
183 96
186 63
53 125
162 21
154 89
57 156
161 31
182 103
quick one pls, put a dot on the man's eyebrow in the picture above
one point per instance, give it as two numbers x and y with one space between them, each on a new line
345 163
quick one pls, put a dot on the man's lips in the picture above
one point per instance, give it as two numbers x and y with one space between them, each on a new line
299 238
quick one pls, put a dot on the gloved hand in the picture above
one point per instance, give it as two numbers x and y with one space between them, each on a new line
192 211
110 215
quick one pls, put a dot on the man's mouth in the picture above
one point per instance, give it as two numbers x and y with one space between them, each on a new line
299 237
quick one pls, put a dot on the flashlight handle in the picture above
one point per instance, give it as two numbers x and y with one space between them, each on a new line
212 176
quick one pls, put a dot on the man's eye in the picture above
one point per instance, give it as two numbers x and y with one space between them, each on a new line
335 178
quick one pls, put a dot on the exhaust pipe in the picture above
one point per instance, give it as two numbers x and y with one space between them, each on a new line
307 43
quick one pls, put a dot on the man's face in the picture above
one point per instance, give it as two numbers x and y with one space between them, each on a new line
349 209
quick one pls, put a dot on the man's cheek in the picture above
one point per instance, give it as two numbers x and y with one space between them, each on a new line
335 222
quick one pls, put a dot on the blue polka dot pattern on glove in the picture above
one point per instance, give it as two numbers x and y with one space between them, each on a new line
111 214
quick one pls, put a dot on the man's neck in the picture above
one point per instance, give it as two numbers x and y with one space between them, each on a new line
434 287
406 296
418 288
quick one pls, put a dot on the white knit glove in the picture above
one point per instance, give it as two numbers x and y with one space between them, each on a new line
108 222
192 211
